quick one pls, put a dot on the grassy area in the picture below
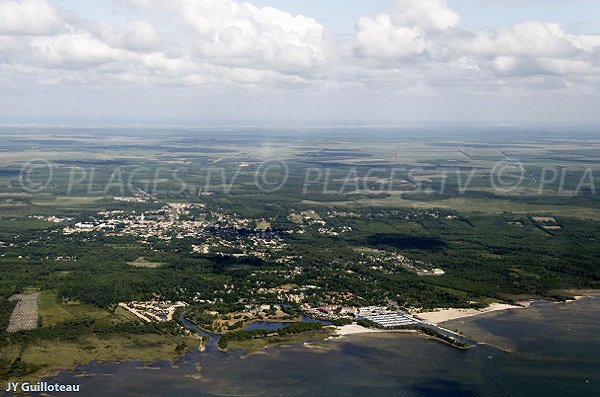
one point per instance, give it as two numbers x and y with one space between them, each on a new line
146 348
50 356
258 344
47 356
52 312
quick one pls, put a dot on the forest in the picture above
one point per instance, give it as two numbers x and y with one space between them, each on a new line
355 223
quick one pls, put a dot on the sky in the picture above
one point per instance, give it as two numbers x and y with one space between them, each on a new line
309 62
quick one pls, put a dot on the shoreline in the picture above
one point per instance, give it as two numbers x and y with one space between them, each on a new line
441 315
355 329
583 293
341 332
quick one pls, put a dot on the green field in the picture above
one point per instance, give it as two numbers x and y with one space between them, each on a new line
52 312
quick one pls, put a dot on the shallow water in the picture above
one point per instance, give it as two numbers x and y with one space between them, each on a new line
273 325
557 354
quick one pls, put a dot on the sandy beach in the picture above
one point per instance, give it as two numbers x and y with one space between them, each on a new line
441 315
353 329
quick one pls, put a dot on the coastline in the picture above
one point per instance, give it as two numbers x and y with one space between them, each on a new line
191 341
362 355
442 315
355 329
349 330
583 293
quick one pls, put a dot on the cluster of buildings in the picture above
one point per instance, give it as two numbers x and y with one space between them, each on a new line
163 223
389 262
153 310
339 310
382 316
53 219
221 234
311 218
334 231
259 244
392 319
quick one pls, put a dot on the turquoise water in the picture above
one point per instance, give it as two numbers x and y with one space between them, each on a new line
557 354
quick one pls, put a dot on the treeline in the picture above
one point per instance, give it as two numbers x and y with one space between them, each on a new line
71 330
198 315
6 309
294 328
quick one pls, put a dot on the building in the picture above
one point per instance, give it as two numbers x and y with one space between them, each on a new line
392 320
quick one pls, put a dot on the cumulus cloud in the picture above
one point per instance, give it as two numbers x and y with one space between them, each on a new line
28 17
424 14
404 30
216 40
425 35
531 48
142 35
533 39
413 45
231 33
380 38
72 50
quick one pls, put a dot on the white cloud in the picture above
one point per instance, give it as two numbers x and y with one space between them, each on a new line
424 14
77 49
230 33
379 38
532 39
416 46
142 35
424 36
531 48
529 66
28 17
173 66
404 31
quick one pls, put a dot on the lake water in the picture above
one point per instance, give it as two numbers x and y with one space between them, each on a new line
556 353
272 325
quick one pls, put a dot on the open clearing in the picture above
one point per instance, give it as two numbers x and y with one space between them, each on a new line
52 312
143 263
